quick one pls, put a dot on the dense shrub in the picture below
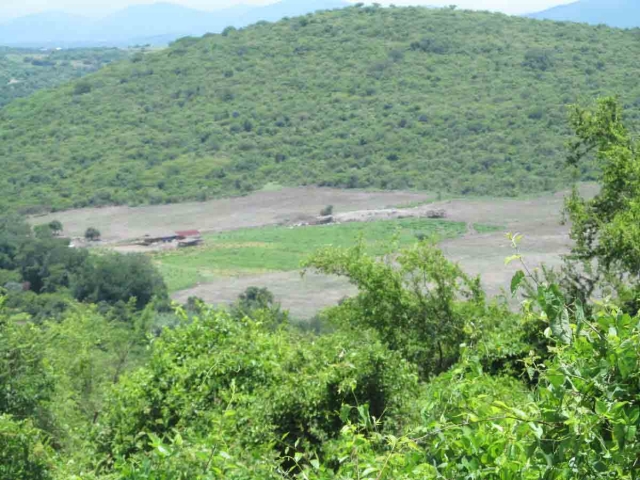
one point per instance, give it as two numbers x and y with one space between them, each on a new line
285 390
416 308
115 278
24 454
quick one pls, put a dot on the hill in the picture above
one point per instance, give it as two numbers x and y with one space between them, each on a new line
393 98
156 24
615 13
23 71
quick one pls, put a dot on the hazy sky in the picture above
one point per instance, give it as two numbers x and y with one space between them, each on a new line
12 8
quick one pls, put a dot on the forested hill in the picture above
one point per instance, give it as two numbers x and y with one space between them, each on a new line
448 100
23 71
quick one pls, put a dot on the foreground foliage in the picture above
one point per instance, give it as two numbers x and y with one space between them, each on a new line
414 308
606 227
432 99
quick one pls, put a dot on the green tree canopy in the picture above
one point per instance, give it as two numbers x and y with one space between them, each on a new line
114 278
606 228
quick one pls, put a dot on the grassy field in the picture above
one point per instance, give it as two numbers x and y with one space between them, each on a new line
482 228
272 249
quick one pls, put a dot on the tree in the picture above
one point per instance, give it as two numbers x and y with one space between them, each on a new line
24 453
606 228
48 263
26 381
116 278
82 87
56 227
41 259
326 211
538 60
42 231
416 308
292 390
258 303
92 234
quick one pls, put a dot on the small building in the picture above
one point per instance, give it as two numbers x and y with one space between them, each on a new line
164 238
184 234
189 238
189 242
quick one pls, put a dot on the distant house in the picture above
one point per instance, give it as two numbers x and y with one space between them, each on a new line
164 238
185 238
184 234
189 238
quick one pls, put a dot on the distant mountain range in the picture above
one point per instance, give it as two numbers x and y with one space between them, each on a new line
615 13
155 24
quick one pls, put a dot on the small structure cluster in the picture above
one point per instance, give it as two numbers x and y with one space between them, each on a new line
372 216
183 238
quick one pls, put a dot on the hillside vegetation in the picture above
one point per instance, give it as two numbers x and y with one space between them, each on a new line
23 71
394 98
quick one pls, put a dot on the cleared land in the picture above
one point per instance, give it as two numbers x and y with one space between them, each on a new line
272 249
119 224
235 256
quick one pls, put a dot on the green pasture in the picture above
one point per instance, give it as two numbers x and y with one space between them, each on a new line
279 248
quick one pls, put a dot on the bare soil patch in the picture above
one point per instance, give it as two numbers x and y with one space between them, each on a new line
302 296
538 219
119 224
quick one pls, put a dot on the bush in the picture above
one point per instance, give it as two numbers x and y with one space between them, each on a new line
56 227
26 381
92 234
283 387
82 87
538 60
415 308
24 453
116 278
326 211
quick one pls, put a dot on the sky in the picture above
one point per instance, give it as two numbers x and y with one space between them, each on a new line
14 8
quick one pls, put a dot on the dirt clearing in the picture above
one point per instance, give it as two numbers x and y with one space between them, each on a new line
538 219
261 208
302 296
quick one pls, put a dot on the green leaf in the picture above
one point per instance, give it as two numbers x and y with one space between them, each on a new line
512 258
561 327
516 281
163 451
601 407
536 429
369 471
